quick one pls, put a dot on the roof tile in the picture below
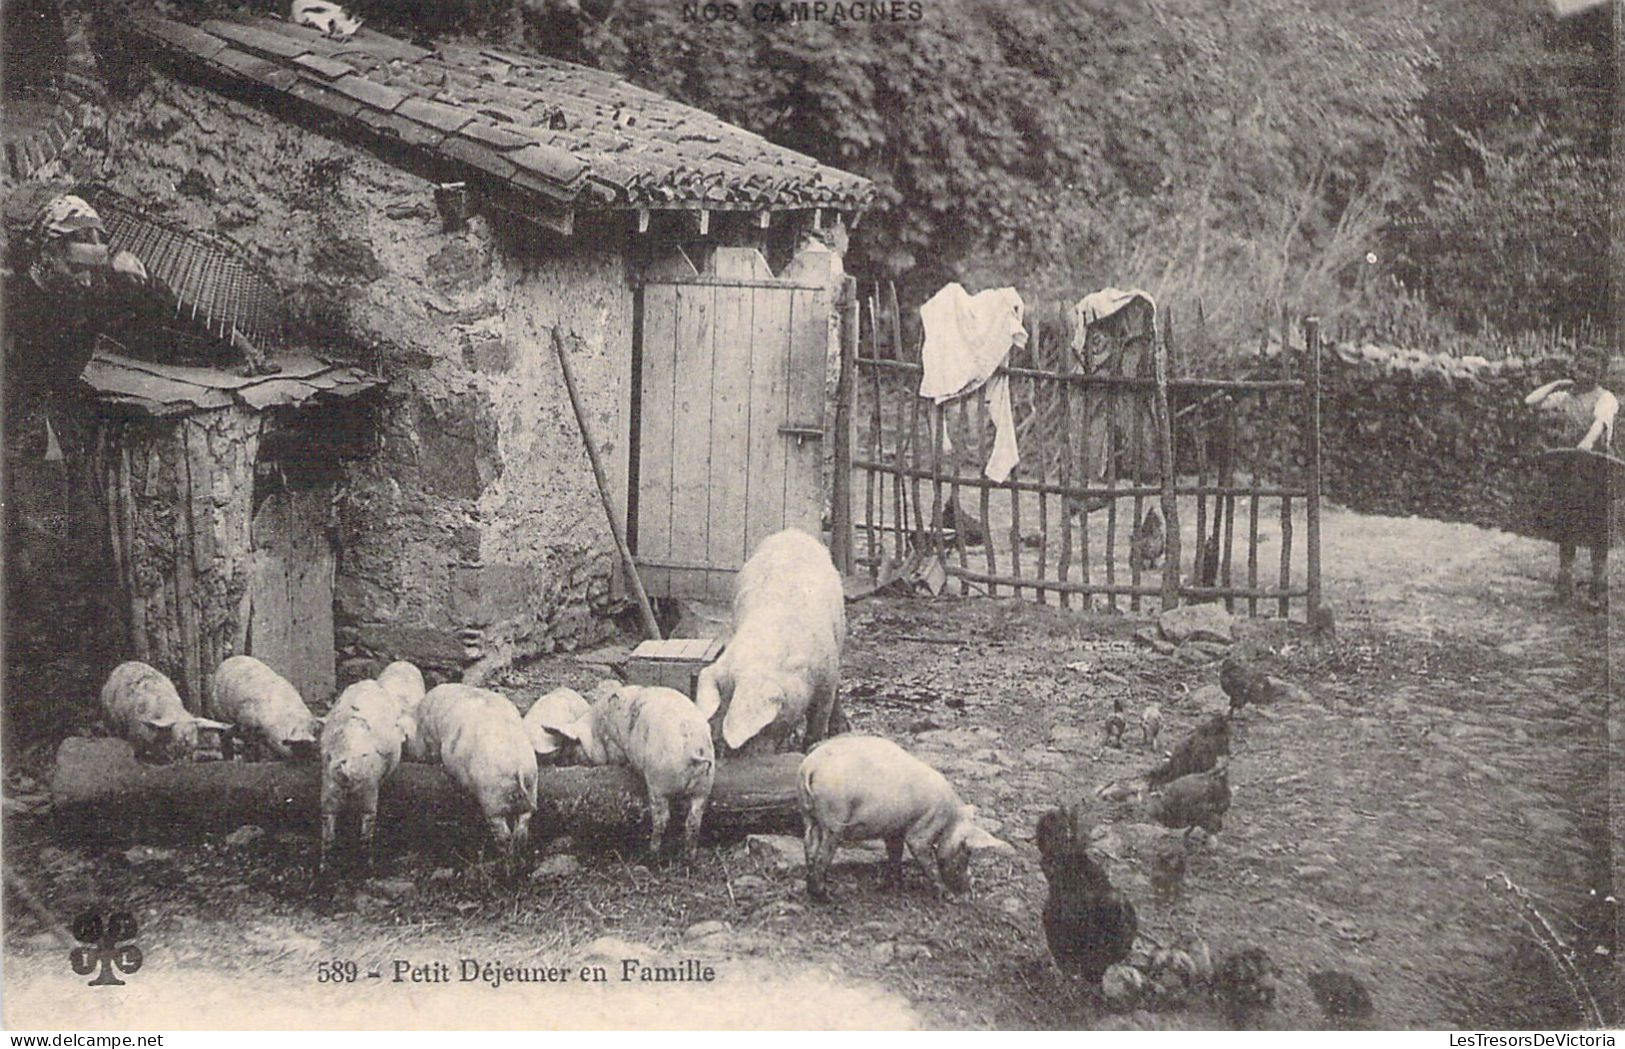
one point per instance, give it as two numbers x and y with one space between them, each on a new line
435 114
257 39
387 48
184 36
400 129
554 164
264 70
370 92
484 158
324 98
326 67
493 135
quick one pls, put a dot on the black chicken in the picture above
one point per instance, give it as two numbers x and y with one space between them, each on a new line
1115 723
1198 800
1149 541
1089 925
1244 985
1196 752
1243 682
1340 995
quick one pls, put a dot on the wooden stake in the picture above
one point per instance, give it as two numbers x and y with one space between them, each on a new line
645 611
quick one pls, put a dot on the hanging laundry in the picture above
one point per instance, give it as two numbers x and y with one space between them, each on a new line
1114 334
967 338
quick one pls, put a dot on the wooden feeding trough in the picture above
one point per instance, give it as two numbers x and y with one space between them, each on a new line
218 489
672 663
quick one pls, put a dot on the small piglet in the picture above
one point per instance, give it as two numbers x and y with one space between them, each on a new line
264 705
478 735
665 739
141 705
782 665
546 721
361 744
857 788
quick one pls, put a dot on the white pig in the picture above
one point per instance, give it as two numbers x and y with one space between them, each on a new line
665 739
141 705
361 744
782 664
857 788
480 738
546 721
264 705
405 682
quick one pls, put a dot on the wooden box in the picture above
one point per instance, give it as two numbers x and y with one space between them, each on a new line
673 663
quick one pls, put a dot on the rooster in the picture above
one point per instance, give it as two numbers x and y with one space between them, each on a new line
1088 924
1197 752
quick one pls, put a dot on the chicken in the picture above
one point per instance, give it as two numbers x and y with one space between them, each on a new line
1089 925
1115 724
1168 868
1340 995
1198 800
1150 725
1244 985
1243 682
1197 752
1147 546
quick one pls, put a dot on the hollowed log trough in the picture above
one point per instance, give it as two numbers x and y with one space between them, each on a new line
99 788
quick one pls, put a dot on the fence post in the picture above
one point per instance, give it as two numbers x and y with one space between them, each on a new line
1311 331
840 507
1170 502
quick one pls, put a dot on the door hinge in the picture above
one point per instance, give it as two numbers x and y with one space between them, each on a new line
802 433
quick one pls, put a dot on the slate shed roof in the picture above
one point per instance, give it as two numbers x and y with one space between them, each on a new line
168 389
573 136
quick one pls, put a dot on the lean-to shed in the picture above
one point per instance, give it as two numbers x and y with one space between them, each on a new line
431 215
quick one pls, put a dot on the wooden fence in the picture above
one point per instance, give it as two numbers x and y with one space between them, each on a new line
1101 448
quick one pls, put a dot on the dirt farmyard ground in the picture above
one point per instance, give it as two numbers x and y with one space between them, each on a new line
1457 731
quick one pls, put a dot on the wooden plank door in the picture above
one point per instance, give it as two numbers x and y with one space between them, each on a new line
290 619
730 408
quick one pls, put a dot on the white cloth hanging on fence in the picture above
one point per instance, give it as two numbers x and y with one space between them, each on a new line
967 338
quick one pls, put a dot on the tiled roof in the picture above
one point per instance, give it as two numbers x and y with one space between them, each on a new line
572 136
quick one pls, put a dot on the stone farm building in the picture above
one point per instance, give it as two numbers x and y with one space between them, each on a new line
428 217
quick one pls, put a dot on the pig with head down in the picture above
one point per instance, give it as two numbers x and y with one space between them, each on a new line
478 736
362 738
858 788
141 705
664 738
265 707
545 721
782 665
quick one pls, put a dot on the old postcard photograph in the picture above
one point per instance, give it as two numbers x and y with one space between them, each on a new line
974 515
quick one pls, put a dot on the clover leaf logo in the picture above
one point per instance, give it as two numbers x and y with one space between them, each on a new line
105 947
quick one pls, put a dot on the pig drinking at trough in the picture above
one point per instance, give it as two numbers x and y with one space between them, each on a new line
361 744
782 664
547 718
265 706
662 736
481 740
857 788
142 706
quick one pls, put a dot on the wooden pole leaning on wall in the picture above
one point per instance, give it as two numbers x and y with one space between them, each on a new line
840 504
645 610
1311 331
1170 501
